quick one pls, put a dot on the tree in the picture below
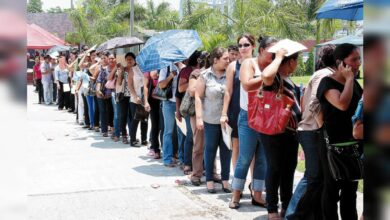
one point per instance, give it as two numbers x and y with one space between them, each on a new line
55 10
34 6
160 17
96 21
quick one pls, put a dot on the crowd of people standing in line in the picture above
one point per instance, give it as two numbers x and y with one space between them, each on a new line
106 96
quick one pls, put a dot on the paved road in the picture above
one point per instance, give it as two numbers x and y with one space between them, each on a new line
77 174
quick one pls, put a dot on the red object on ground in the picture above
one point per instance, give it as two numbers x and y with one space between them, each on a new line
38 38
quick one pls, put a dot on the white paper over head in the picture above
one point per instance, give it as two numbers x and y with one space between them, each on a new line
291 47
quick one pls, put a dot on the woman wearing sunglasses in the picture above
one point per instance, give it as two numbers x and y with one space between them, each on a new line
250 144
231 102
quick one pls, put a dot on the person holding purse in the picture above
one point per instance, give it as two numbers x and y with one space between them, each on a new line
124 107
181 95
198 135
135 84
281 149
339 95
104 95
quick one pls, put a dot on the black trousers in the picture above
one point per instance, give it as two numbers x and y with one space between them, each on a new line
155 123
281 153
63 97
54 92
134 125
71 101
123 115
97 112
335 191
86 112
39 87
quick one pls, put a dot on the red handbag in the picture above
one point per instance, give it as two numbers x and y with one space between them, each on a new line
268 111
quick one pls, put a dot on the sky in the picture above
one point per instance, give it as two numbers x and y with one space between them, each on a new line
66 3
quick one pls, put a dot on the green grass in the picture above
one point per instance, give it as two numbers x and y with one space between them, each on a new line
305 80
301 168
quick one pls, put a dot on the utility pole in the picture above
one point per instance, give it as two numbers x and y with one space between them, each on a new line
71 4
131 18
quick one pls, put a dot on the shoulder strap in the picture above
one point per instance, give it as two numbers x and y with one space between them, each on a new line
168 71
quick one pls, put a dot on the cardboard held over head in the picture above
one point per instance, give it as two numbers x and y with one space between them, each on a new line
291 47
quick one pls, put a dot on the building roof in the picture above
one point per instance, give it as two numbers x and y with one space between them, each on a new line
310 44
56 23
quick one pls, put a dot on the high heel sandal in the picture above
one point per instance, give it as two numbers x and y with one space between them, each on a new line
226 190
254 202
234 205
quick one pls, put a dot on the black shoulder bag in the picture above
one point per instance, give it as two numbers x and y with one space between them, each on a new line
166 93
345 161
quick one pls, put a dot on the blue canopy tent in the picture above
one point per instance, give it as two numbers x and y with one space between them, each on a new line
351 10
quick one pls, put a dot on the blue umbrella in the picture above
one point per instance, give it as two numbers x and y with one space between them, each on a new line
166 48
58 48
351 10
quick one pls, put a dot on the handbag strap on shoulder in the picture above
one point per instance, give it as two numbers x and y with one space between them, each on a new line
326 136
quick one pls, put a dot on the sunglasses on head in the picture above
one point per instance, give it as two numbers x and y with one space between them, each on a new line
243 45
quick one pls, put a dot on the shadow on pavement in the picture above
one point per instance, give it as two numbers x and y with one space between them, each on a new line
261 217
157 170
109 144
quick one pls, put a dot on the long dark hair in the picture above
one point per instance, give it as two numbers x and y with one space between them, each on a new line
216 53
342 51
265 41
326 57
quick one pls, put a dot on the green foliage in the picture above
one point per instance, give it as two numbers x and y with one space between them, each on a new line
212 41
301 67
310 64
305 68
98 20
34 6
55 10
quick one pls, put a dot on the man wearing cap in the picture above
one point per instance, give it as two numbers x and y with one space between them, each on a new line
47 80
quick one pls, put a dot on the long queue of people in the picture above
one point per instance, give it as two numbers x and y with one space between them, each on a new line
112 99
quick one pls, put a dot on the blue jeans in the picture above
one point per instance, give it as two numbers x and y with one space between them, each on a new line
189 143
115 107
181 139
250 145
169 109
308 188
91 110
213 139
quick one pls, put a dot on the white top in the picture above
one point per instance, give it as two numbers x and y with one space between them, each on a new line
137 82
163 75
243 93
311 114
